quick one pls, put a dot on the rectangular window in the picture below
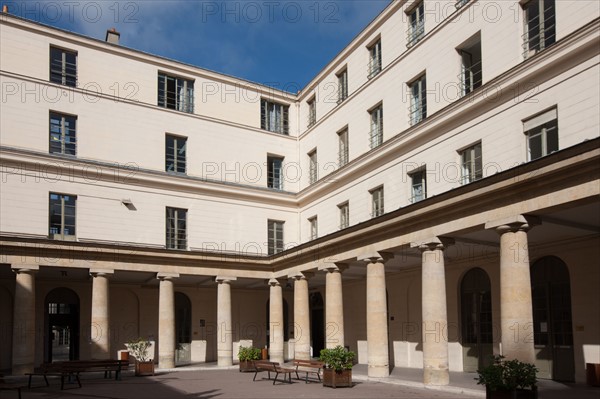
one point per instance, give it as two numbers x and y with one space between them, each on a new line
175 93
376 134
63 67
314 228
377 202
471 76
63 134
313 167
274 117
176 228
275 232
342 78
374 59
416 29
471 164
542 134
343 149
175 154
62 216
540 26
312 112
418 100
274 173
344 215
418 186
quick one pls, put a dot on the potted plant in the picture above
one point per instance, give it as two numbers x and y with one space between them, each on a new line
144 365
247 355
508 379
337 368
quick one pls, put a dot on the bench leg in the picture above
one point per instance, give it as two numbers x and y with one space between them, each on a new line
29 384
255 374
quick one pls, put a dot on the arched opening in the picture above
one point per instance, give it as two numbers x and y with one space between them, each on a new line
317 323
183 329
61 315
552 322
476 319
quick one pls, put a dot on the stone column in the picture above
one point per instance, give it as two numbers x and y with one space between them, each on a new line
224 322
334 305
23 352
276 321
166 321
434 312
100 329
516 315
301 316
377 326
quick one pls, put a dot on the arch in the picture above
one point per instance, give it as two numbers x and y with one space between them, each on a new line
61 325
552 318
476 318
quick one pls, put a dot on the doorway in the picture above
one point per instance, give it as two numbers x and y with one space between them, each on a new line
183 329
61 341
317 323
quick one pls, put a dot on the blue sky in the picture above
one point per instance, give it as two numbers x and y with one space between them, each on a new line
277 42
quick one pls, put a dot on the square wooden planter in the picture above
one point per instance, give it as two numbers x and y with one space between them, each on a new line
144 368
247 366
514 394
334 379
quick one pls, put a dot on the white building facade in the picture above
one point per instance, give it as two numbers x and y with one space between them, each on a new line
430 198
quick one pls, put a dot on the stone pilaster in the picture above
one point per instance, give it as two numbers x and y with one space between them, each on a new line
301 316
23 352
275 321
377 326
434 311
166 321
100 329
334 305
516 315
224 322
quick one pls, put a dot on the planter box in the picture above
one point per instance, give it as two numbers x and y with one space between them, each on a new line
247 365
144 368
334 379
515 394
593 374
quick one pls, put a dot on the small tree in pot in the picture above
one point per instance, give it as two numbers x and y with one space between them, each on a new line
508 379
144 365
337 371
247 355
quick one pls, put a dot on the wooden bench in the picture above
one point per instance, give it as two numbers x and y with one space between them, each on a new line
72 369
5 386
265 365
308 367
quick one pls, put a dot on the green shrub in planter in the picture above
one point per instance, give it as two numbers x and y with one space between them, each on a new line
246 356
509 378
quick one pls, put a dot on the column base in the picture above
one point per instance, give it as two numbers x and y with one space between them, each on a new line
301 355
166 363
436 377
378 371
22 369
224 360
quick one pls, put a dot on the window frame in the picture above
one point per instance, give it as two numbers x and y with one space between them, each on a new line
343 146
344 209
65 132
377 201
176 154
544 33
418 182
342 78
416 24
313 166
275 176
375 59
281 123
63 232
418 99
376 126
181 101
64 76
542 125
275 244
312 112
471 163
313 228
174 242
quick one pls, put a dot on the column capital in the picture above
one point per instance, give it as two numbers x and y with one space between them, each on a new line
273 282
26 269
101 272
375 257
167 276
513 224
433 243
301 275
333 267
224 279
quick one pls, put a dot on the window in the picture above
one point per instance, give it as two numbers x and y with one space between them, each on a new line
63 131
416 29
175 154
314 228
63 67
62 216
542 134
343 148
418 100
176 228
471 67
312 112
418 186
275 232
274 117
376 135
540 26
175 93
274 173
377 202
344 215
313 167
342 85
471 164
374 59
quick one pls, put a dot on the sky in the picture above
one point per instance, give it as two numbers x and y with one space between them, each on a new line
280 43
